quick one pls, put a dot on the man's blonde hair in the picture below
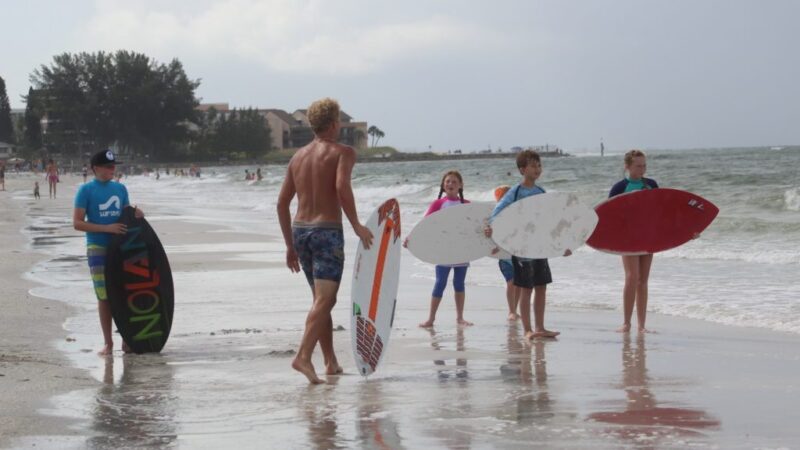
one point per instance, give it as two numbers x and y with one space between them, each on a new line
322 114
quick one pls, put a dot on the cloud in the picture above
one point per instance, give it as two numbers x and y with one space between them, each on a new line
283 35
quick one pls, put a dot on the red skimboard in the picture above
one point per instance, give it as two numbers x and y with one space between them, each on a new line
650 221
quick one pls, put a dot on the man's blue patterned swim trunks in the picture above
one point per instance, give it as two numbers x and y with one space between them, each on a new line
320 249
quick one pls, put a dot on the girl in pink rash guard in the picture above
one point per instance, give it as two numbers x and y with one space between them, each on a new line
452 188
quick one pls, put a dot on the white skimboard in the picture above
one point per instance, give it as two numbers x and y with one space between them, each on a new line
544 225
374 290
453 235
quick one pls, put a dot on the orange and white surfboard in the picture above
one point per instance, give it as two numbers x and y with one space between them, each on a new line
374 290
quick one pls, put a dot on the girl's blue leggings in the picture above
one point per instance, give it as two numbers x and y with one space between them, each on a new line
442 273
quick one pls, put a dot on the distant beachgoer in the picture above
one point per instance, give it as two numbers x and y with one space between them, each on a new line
3 177
247 176
452 187
158 174
530 275
259 177
85 173
320 175
507 269
637 267
36 190
98 207
51 172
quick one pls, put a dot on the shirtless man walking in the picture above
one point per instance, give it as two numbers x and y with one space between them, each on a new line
319 174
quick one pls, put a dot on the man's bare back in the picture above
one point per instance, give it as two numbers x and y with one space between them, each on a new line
315 169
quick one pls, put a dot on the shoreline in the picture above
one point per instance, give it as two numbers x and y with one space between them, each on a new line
360 159
33 370
695 367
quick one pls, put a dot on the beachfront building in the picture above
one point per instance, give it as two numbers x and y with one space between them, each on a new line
6 150
294 130
284 129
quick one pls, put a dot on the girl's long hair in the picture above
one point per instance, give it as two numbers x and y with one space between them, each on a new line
460 180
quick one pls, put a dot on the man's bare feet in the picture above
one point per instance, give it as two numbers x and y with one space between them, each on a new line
426 324
464 323
624 329
125 348
645 330
545 333
513 317
107 350
333 369
307 369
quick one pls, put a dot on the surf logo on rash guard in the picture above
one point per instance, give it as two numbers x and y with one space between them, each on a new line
104 208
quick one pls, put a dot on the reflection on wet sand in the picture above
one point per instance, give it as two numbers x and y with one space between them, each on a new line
374 425
321 412
532 403
445 371
455 402
642 418
139 409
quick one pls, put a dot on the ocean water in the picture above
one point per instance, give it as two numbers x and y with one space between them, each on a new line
239 312
742 271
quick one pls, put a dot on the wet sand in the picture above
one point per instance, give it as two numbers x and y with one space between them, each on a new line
31 369
225 382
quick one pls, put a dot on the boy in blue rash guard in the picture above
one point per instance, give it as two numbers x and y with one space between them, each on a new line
637 267
531 276
98 207
507 269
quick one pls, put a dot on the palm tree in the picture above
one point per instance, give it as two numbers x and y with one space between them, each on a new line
372 131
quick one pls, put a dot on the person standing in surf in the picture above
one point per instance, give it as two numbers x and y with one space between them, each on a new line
319 174
507 269
98 208
531 276
452 187
52 177
637 267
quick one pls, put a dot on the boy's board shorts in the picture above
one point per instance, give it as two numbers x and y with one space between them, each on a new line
97 267
529 273
320 249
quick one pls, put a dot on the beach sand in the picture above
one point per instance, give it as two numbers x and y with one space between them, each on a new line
224 378
31 369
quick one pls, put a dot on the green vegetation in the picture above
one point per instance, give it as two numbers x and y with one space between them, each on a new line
6 127
92 100
240 134
376 134
33 123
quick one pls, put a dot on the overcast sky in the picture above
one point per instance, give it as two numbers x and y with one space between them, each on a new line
461 74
